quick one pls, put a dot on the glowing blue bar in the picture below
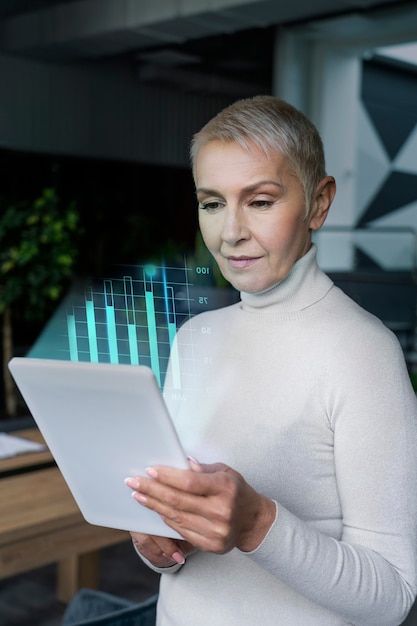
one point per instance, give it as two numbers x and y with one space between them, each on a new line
72 337
153 337
172 331
130 315
111 322
175 361
91 329
134 355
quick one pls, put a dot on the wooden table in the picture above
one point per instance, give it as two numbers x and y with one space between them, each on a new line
40 524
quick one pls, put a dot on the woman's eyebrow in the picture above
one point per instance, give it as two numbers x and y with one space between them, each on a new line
249 188
261 183
207 192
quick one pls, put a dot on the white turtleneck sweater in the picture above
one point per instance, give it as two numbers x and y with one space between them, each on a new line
307 395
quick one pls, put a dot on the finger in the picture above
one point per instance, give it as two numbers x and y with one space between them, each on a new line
198 482
195 465
159 550
183 480
193 517
194 494
206 467
167 503
211 535
211 468
202 516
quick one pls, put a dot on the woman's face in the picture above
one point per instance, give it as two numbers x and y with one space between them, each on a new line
251 214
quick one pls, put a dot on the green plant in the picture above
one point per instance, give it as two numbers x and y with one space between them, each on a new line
38 251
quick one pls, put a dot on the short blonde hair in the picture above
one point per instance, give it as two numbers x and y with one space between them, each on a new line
272 125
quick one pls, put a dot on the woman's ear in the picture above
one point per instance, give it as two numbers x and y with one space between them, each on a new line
325 193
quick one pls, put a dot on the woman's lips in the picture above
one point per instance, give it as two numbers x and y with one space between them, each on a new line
241 262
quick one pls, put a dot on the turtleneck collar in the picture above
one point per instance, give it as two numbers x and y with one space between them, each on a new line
302 287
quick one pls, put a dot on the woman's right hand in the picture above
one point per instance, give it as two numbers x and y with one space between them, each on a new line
162 551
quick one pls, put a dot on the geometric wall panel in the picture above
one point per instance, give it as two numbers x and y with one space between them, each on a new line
389 99
373 164
382 230
405 218
390 96
364 260
406 159
398 190
395 134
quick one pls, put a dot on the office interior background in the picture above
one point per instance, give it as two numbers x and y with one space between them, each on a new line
99 99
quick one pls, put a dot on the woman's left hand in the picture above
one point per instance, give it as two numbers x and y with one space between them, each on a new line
210 506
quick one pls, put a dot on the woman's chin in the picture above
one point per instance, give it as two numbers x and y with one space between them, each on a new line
249 286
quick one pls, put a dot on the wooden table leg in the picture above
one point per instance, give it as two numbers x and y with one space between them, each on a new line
76 571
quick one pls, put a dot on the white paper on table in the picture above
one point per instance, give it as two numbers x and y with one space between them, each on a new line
10 445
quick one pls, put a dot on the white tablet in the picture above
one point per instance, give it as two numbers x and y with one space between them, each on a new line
102 423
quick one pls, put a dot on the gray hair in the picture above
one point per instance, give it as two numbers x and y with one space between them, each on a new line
272 125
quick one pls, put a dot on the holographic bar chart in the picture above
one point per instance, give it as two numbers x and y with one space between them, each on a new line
132 315
132 318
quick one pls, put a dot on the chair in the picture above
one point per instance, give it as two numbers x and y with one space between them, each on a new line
96 608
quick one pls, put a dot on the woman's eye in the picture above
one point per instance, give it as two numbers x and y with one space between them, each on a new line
261 204
210 206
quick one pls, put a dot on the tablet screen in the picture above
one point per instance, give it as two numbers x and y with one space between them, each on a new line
102 422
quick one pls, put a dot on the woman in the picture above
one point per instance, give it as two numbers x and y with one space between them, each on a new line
300 506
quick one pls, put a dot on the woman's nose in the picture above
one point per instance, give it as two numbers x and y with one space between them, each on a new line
234 226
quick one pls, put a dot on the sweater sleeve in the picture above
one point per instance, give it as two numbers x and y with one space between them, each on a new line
369 574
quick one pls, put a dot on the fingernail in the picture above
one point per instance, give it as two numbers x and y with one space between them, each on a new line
151 471
139 497
132 482
178 558
193 460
